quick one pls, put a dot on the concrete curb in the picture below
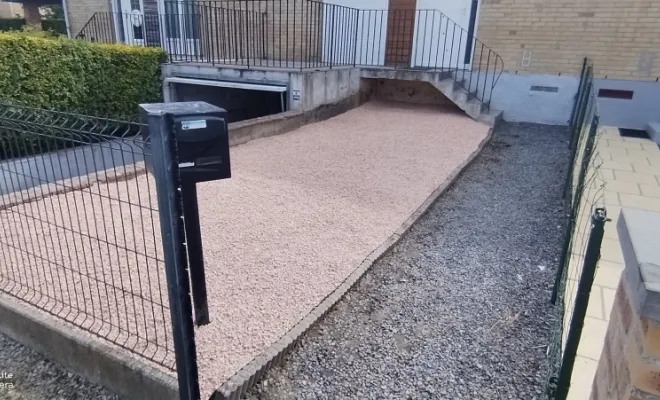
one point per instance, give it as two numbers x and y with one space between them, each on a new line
71 184
84 354
236 386
239 133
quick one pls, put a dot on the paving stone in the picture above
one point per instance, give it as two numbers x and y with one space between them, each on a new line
639 202
635 177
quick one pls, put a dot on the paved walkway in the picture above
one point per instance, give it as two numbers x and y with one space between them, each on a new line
631 172
460 307
28 172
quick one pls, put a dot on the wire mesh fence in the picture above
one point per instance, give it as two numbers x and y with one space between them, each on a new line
79 232
584 193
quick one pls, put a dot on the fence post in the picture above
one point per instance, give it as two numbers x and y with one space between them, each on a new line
584 102
247 33
574 202
264 21
577 94
357 26
166 174
591 258
332 35
577 129
236 42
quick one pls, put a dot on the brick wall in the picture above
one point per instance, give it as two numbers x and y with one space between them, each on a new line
622 37
629 366
287 30
10 10
80 11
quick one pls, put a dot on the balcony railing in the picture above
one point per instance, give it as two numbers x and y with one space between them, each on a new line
307 34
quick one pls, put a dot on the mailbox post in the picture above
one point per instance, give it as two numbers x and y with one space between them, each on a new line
201 133
190 144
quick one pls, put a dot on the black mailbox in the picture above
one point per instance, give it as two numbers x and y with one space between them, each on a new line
202 139
202 152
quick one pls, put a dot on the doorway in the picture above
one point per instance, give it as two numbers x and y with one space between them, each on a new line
132 19
400 32
180 25
430 33
444 38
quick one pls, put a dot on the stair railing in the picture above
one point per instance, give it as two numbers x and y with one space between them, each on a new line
309 34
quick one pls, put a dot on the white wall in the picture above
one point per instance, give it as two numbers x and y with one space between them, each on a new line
438 38
635 113
441 33
370 36
514 96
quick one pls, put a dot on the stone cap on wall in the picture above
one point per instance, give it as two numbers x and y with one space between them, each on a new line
639 235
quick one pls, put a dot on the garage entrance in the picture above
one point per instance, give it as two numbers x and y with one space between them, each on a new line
241 100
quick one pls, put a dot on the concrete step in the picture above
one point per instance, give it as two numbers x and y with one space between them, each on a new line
492 117
466 102
653 129
444 82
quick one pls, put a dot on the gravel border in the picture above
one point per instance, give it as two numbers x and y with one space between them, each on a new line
334 191
36 378
237 386
459 308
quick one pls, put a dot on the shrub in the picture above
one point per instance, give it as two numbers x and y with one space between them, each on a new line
11 24
57 26
75 76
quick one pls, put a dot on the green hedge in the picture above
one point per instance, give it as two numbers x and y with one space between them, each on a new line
77 76
54 25
11 24
57 26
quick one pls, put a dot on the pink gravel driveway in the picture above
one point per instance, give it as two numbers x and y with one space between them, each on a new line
300 213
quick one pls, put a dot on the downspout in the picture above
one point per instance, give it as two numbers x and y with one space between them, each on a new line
470 32
116 12
65 8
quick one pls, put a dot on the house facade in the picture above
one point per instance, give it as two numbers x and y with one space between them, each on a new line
10 10
531 50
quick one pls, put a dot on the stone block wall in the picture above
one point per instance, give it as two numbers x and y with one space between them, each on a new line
80 12
629 366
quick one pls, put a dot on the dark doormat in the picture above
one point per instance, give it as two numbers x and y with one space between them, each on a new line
634 133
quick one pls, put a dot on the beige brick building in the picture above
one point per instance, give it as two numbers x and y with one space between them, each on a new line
10 10
541 43
551 37
532 36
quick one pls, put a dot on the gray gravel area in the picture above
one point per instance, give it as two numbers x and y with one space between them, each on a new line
459 308
35 378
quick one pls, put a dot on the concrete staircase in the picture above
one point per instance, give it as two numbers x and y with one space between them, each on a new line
446 84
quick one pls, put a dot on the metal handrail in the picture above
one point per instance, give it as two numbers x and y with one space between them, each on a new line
310 34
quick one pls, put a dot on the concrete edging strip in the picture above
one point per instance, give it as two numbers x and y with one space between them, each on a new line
236 386
84 354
